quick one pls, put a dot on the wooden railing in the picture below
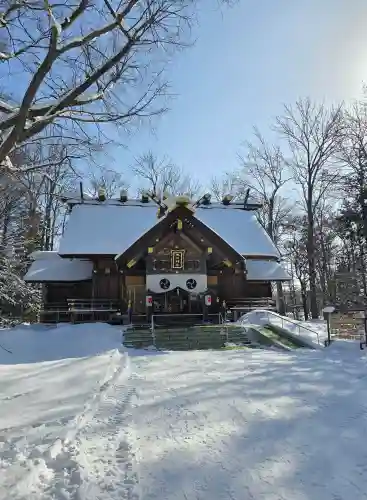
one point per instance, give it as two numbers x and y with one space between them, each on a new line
92 305
240 306
54 312
73 309
252 301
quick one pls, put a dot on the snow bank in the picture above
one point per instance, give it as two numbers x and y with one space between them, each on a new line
309 331
37 343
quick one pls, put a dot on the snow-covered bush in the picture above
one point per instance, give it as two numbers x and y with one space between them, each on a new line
18 300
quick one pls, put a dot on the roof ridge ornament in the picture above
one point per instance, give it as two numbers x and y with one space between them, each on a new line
179 201
204 200
101 194
123 195
227 198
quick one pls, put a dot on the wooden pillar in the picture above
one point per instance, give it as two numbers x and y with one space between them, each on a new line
129 312
44 293
223 310
122 287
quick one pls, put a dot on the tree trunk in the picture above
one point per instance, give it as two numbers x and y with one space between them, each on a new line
363 267
47 225
280 295
293 295
312 260
270 228
304 300
323 269
5 224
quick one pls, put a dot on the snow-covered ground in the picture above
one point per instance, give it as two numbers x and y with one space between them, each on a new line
97 422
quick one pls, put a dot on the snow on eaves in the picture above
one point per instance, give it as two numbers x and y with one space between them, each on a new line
110 228
49 266
265 270
44 254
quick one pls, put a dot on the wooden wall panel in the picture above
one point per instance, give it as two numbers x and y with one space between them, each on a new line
232 286
106 286
134 280
212 280
258 289
102 264
60 292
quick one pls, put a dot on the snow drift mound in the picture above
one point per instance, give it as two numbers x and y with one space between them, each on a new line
316 332
37 343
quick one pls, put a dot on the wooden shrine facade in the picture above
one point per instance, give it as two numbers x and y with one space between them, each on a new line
178 266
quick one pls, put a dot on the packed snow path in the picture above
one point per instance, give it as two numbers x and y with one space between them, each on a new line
241 425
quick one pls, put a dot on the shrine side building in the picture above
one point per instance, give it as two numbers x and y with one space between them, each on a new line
145 256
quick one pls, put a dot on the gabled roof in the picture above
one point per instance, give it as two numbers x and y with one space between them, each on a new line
49 266
110 228
163 225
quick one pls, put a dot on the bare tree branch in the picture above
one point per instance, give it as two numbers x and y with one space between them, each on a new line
161 175
83 66
264 170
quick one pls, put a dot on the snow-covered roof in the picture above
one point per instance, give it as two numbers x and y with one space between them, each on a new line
111 228
240 229
106 229
49 266
44 255
265 270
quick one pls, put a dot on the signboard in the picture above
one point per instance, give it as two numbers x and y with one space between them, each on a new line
347 325
177 259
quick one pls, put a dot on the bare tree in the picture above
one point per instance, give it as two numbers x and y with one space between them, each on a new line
162 175
84 62
297 252
354 152
353 188
264 170
225 185
109 180
313 134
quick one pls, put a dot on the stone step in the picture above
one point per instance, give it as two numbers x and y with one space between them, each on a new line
196 337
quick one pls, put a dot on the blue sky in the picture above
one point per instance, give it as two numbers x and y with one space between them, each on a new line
247 62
